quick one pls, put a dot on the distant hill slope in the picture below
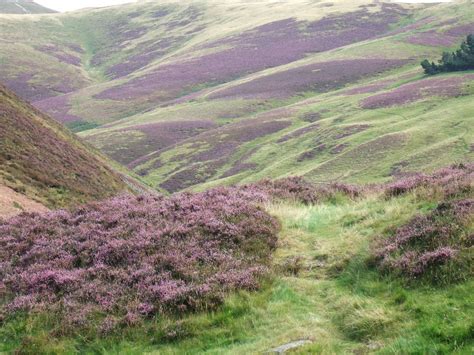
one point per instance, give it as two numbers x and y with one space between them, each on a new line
22 7
207 92
45 162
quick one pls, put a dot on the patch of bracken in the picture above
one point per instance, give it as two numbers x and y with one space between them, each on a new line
434 247
129 258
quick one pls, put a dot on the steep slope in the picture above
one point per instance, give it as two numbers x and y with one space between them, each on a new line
45 162
22 7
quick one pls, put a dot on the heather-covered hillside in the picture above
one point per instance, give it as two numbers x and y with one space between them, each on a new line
382 268
47 163
203 93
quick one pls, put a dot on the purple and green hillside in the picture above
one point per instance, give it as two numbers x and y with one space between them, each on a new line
45 162
204 93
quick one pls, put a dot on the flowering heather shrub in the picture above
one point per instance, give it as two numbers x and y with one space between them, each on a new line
452 181
134 257
437 246
298 189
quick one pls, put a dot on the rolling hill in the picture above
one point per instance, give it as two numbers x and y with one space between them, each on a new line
22 7
198 94
339 233
43 163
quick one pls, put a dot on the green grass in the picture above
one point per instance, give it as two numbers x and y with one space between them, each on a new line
333 298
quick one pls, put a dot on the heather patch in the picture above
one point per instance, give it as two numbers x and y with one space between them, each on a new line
20 84
39 158
411 92
298 133
300 190
224 142
266 46
461 30
241 165
451 181
432 38
370 88
143 54
62 56
339 148
152 137
131 258
318 77
359 157
312 153
436 247
58 107
350 130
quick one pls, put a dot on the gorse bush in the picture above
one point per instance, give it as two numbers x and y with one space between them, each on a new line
134 257
462 59
436 247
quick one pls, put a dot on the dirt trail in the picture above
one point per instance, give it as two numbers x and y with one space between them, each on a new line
13 203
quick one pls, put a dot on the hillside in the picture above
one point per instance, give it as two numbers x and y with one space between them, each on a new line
198 94
46 163
22 7
307 188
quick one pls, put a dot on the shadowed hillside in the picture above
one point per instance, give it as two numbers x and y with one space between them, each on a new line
45 162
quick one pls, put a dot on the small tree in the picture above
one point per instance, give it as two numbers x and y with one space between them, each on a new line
430 68
461 59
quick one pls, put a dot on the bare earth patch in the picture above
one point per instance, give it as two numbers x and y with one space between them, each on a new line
13 203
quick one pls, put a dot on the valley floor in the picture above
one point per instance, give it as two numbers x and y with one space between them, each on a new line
323 290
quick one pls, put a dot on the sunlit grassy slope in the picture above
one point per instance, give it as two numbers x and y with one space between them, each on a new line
190 95
323 290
